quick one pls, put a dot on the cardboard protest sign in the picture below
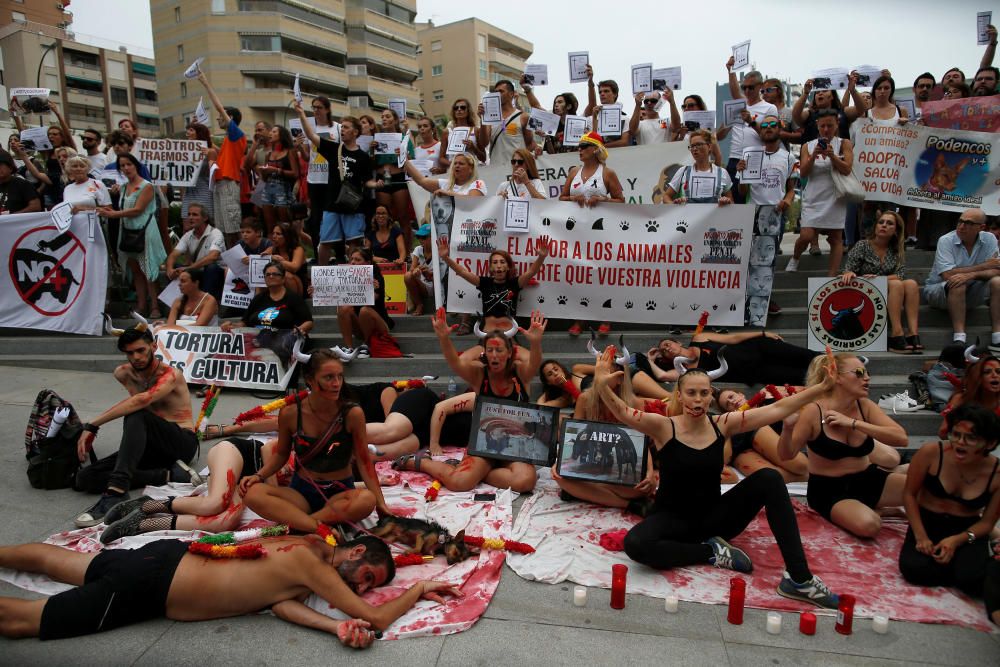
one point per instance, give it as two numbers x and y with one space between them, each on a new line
171 161
344 285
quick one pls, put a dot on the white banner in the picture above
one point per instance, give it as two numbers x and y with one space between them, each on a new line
927 167
848 317
244 358
171 161
344 285
53 281
615 262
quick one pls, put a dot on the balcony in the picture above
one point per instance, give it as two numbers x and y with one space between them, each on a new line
285 66
384 89
326 21
387 58
358 17
506 61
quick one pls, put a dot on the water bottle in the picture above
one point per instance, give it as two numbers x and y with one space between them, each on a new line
452 386
58 419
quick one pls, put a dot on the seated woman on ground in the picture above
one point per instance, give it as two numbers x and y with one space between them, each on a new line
981 387
846 486
218 511
757 449
193 307
498 377
385 240
369 321
328 435
693 519
561 388
407 424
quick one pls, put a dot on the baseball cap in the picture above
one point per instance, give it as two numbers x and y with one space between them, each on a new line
424 231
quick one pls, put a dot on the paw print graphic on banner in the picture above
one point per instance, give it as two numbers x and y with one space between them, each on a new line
624 225
561 300
652 226
650 305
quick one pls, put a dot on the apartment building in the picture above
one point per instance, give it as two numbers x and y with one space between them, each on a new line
358 53
464 59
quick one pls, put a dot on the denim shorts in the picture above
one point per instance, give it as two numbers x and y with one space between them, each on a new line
277 192
341 226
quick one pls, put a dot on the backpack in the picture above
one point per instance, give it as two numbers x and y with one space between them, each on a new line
52 461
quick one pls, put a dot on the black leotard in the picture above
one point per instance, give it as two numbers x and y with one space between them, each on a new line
689 478
337 452
932 483
835 450
518 394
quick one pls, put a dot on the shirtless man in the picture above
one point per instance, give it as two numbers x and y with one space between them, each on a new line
118 587
158 434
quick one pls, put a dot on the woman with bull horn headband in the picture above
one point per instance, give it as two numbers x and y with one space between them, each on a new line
636 499
840 427
494 375
328 435
981 386
693 520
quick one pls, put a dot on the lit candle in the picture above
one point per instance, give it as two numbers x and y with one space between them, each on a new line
880 624
807 623
580 596
773 623
671 603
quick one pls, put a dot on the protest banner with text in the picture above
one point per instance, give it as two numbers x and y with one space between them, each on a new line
171 161
974 114
345 285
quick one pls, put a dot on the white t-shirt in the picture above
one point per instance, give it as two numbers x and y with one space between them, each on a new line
97 163
522 190
777 168
690 188
319 168
475 184
423 262
90 193
653 131
213 241
744 136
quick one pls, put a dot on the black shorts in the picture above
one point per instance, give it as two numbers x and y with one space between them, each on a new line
393 183
122 586
417 405
251 451
456 428
865 486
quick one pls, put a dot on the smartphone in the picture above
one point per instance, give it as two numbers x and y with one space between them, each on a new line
296 132
484 497
821 144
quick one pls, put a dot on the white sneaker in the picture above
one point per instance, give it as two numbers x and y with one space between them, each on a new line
900 402
792 266
364 352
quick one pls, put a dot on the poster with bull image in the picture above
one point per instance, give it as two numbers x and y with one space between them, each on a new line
171 161
512 431
600 452
245 358
849 317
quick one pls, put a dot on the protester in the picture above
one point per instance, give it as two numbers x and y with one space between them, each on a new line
882 254
370 321
279 174
985 83
760 448
252 238
385 240
746 135
884 109
195 306
922 87
16 194
511 133
286 250
203 246
556 381
607 91
463 115
966 274
714 184
523 178
318 173
461 181
81 190
947 543
651 129
563 105
406 426
980 386
393 193
429 147
53 178
751 357
773 92
91 140
201 192
419 279
226 192
696 103
823 100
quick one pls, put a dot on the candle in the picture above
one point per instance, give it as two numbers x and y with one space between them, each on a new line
807 623
737 596
845 615
580 596
619 573
773 623
880 624
671 603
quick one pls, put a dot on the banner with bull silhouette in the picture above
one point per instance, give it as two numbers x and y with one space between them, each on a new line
927 167
54 280
849 316
613 262
599 452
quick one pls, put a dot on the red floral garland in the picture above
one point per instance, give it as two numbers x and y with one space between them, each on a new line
403 560
432 491
499 544
247 551
261 411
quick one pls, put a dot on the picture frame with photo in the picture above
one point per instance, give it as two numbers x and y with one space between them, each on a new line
511 431
590 451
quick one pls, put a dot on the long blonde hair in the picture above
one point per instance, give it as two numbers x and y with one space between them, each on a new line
592 402
819 367
451 172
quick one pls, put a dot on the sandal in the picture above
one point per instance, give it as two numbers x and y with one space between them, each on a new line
914 342
400 462
898 345
218 433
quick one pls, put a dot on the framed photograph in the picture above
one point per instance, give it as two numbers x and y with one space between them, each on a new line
512 431
601 452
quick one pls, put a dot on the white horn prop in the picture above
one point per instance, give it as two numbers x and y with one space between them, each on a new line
298 354
429 378
679 364
723 365
109 327
476 329
344 357
623 359
142 324
590 344
969 356
510 333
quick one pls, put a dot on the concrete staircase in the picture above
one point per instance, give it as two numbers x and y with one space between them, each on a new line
889 371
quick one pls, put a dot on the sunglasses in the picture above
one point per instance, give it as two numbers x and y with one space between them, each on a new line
649 101
459 107
273 274
582 146
769 89
750 87
89 138
970 223
694 146
857 372
517 161
773 123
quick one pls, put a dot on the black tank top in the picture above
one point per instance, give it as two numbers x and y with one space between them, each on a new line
517 394
335 454
835 450
689 478
932 483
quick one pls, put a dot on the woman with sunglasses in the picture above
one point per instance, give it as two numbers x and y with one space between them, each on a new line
393 192
840 428
695 103
703 183
946 542
523 180
824 100
462 115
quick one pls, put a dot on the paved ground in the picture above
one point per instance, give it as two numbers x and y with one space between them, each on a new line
527 623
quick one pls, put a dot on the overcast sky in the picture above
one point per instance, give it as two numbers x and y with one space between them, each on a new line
789 39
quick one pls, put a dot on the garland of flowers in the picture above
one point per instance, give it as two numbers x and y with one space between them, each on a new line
261 410
247 551
412 383
207 408
499 544
326 533
432 491
403 560
240 536
702 321
754 401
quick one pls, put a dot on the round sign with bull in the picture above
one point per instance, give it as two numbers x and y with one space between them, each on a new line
48 269
847 316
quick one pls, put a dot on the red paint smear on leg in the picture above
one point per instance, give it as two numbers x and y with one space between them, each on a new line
227 497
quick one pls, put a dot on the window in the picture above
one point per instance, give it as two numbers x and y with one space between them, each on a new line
218 6
184 89
357 101
177 14
18 17
481 42
437 70
168 126
357 70
420 73
180 53
438 95
116 69
436 45
483 71
144 96
119 96
268 43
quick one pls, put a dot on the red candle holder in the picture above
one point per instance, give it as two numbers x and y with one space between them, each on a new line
807 623
737 598
845 615
619 575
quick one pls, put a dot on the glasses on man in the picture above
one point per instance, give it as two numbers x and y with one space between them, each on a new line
750 87
517 161
772 123
272 274
698 145
857 372
650 102
970 223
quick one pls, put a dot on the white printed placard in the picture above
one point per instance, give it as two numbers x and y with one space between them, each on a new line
536 75
256 269
344 285
983 21
456 140
642 78
29 100
545 122
236 291
578 61
398 104
667 78
741 55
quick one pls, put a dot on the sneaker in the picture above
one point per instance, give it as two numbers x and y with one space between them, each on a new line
813 591
792 266
124 527
121 509
99 510
815 251
910 242
727 556
994 349
773 308
900 402
364 352
182 473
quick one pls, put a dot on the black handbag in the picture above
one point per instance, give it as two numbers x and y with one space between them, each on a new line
350 196
133 240
55 465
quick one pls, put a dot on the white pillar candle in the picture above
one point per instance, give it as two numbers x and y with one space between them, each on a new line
880 624
773 623
670 603
580 596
